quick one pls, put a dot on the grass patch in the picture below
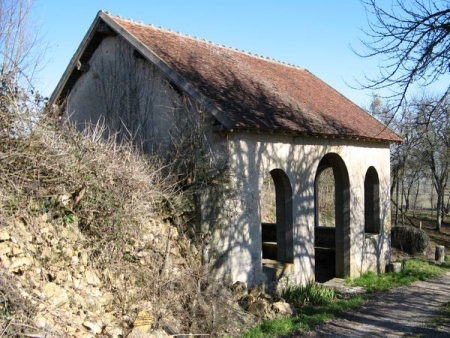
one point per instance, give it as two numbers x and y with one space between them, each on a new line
311 294
308 317
316 303
414 270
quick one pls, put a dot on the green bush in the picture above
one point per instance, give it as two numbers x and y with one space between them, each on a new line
410 239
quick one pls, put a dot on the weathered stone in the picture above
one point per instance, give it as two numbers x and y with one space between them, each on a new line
246 301
71 330
439 253
84 258
284 309
266 296
4 235
69 235
44 322
47 253
17 250
44 230
107 298
159 334
239 290
144 321
20 263
94 293
255 290
142 253
138 333
80 334
77 283
75 260
259 308
94 327
394 267
91 278
55 294
21 231
67 251
79 300
64 199
5 248
6 262
62 276
114 332
44 218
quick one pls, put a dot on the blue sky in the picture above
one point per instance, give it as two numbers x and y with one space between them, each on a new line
314 34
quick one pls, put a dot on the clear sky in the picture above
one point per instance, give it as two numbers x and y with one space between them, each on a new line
313 34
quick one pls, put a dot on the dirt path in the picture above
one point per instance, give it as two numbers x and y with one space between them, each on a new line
402 312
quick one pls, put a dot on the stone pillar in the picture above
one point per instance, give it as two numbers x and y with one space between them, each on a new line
440 253
394 267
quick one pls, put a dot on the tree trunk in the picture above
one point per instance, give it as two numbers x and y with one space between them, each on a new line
416 196
439 207
396 199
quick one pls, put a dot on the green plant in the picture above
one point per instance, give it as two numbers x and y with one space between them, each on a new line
312 293
69 218
309 317
413 270
6 308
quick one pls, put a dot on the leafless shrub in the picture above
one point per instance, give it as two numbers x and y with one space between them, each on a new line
16 310
121 200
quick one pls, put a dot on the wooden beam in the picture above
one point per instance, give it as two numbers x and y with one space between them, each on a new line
82 67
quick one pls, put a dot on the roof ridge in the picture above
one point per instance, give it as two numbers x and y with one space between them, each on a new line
209 42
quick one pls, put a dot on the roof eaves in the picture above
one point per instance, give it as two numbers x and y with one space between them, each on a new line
280 131
72 66
169 72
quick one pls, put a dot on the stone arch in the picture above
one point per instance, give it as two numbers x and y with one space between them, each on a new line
280 233
371 202
332 245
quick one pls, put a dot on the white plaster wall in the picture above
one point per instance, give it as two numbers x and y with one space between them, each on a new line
252 157
231 208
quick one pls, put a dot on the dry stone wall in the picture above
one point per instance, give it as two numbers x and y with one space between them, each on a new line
50 273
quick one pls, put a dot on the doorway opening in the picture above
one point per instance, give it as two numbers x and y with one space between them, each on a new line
332 219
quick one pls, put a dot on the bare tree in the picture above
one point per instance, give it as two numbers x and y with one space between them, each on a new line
433 126
19 44
20 55
400 152
412 37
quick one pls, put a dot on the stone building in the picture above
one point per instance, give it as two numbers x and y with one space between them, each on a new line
258 121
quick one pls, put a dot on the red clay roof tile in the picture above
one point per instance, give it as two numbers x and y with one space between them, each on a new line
258 93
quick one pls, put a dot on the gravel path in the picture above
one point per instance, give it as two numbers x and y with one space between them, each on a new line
402 312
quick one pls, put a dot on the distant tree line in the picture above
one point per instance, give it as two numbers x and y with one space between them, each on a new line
422 161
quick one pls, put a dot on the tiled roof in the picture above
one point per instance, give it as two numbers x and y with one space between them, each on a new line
255 93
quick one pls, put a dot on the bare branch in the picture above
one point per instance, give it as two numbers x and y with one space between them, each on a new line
413 40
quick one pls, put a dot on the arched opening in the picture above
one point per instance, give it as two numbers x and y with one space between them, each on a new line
371 202
332 219
326 198
276 218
